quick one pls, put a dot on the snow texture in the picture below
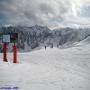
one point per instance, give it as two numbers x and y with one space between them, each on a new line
50 69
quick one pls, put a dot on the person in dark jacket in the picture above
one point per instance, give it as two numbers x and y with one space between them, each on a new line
45 47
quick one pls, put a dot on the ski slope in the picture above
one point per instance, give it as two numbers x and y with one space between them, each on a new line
51 69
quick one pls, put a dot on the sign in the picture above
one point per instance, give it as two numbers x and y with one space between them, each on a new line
13 37
0 38
10 38
6 38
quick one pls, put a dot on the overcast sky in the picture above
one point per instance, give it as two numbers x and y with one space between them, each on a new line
51 13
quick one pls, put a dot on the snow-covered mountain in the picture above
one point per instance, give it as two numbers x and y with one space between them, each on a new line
38 36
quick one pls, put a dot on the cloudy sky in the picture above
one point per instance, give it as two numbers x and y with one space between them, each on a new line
51 13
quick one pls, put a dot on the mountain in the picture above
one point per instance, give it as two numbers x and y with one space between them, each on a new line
30 38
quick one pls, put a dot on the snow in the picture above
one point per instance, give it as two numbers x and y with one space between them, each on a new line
50 69
85 41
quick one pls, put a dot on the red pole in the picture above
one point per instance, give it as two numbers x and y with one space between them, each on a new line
14 53
5 52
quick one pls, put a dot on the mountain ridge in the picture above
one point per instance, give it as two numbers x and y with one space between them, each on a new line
36 36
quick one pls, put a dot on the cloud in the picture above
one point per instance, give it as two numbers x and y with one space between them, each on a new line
53 13
85 11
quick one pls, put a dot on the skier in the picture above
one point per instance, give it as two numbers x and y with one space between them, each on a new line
45 47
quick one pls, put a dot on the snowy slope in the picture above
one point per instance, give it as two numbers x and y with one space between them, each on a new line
86 41
53 69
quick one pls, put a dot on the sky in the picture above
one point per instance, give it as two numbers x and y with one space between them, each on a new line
51 13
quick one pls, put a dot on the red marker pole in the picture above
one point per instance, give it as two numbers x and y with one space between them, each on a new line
5 52
14 53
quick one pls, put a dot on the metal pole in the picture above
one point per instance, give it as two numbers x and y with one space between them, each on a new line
14 53
5 52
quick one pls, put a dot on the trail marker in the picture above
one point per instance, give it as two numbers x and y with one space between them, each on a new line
6 39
